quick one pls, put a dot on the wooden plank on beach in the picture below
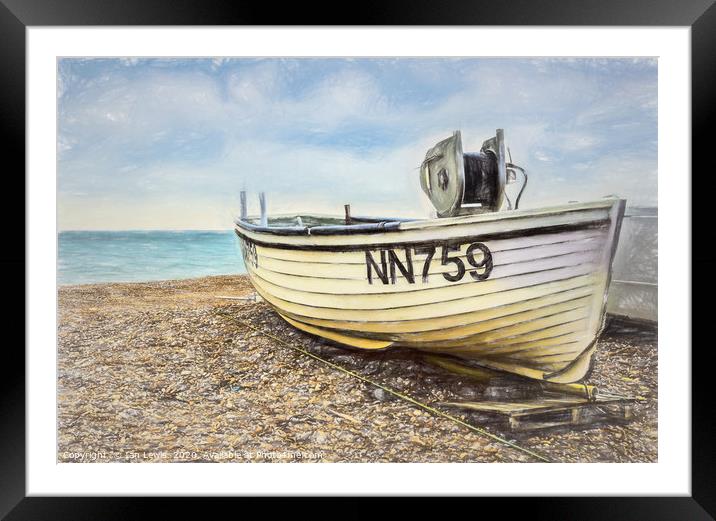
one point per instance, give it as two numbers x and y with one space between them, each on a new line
543 413
251 298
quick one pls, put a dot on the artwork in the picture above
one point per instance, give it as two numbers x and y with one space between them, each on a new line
357 260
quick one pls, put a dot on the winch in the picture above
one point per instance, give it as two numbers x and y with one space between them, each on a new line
460 183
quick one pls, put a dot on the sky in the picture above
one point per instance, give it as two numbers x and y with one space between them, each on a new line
170 143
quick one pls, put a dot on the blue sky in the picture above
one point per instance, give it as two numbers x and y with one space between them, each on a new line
169 143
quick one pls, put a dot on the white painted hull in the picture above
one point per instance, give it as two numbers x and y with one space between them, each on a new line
536 311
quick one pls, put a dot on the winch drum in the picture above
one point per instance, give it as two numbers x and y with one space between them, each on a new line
459 183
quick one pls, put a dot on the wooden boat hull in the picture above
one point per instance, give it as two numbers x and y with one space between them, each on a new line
520 291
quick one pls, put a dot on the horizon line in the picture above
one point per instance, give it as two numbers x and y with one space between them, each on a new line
148 230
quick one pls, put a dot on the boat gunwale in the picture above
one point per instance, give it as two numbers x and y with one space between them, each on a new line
394 224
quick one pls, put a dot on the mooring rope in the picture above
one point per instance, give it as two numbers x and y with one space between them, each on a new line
398 394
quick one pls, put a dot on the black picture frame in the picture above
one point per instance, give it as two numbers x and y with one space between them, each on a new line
700 15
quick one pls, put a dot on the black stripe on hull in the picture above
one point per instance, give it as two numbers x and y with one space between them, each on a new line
392 224
513 234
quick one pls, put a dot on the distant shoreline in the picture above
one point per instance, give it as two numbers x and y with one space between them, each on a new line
153 281
150 230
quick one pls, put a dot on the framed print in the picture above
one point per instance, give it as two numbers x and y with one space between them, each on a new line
431 240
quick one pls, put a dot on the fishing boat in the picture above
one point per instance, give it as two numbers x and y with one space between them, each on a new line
522 291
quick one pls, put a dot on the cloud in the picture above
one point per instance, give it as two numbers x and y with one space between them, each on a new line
150 137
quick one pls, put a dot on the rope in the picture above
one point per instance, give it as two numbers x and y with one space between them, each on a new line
398 394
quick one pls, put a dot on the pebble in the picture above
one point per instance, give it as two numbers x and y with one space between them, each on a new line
146 367
383 396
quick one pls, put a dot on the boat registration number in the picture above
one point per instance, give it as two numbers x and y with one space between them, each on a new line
383 265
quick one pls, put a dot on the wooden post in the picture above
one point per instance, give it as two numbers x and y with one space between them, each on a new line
242 202
262 205
347 208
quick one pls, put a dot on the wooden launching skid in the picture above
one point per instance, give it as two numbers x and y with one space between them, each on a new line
545 412
551 405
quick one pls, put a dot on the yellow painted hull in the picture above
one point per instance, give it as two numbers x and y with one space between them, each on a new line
529 298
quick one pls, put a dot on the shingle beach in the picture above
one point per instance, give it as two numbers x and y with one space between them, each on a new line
173 371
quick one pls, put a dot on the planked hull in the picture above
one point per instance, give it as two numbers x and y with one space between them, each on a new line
521 291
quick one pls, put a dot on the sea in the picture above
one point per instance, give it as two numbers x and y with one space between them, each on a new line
86 257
